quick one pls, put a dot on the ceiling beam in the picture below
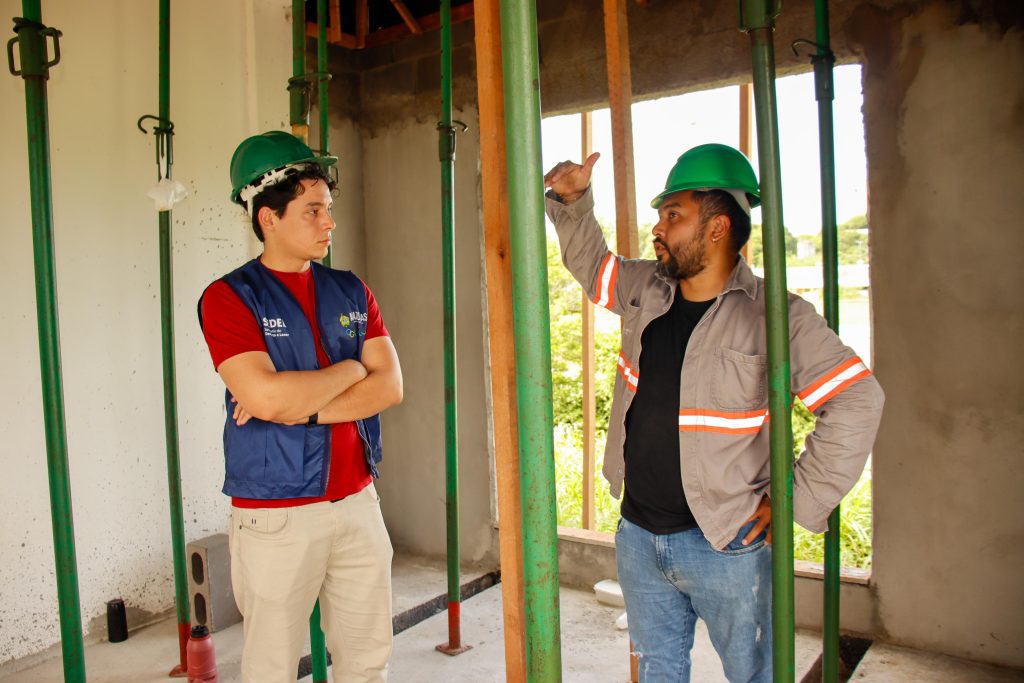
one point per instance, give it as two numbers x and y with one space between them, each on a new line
346 40
407 17
388 35
334 22
430 22
362 22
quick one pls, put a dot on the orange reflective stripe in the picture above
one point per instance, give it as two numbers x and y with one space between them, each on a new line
833 382
631 376
722 421
606 277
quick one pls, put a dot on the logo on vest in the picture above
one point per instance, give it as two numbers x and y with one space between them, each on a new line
359 326
274 327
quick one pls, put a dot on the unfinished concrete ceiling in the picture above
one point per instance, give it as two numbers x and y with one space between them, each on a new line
357 24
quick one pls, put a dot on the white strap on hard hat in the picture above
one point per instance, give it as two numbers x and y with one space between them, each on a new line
249 192
739 195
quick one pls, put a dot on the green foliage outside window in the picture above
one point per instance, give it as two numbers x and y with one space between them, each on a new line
853 245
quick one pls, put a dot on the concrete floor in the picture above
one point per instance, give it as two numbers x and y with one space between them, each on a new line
890 664
593 649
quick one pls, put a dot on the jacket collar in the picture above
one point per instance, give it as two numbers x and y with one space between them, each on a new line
742 278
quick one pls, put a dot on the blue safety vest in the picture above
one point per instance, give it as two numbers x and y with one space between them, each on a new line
265 460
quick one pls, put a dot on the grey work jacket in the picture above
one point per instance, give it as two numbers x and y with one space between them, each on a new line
723 396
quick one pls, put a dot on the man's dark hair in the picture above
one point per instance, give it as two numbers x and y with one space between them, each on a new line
715 202
277 196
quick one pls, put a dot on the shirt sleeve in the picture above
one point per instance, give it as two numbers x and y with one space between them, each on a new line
229 327
374 322
838 388
609 280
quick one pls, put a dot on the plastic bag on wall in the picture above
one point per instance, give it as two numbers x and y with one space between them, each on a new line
166 193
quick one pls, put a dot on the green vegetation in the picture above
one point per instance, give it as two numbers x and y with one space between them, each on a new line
855 511
566 372
853 245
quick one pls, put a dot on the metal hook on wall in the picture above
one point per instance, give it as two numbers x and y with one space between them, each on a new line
822 60
164 132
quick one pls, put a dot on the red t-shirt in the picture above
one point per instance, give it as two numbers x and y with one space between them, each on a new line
231 328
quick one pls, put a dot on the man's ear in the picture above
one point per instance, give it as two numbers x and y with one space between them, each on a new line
266 218
721 226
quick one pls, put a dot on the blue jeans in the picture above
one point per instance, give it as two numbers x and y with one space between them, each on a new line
669 580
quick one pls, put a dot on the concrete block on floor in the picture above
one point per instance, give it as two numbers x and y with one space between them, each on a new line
891 664
211 599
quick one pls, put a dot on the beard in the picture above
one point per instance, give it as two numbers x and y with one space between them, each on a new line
684 261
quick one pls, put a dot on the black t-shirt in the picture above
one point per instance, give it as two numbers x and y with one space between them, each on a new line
654 497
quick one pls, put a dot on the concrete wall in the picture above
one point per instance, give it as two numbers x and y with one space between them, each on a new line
944 108
392 95
229 67
403 209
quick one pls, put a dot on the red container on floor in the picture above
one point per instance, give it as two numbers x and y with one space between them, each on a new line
202 663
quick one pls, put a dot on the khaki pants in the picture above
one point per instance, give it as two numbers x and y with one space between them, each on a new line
283 559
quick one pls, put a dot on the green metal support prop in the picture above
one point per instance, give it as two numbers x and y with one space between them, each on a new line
298 84
323 106
298 100
30 38
164 132
532 339
446 154
823 60
757 18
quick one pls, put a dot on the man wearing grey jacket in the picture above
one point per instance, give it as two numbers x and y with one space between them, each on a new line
688 431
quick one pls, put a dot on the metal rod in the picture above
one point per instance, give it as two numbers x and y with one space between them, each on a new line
446 154
298 86
322 81
317 646
35 71
533 339
174 498
824 93
757 19
298 90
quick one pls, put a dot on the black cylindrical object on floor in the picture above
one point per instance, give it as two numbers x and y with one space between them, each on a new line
117 621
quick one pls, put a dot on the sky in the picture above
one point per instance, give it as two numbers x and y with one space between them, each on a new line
665 128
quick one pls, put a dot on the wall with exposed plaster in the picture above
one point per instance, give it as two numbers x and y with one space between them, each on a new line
229 67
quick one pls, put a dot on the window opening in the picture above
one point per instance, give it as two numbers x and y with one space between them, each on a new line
663 129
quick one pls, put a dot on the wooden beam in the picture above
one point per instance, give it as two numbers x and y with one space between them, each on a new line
497 264
407 17
334 28
385 35
362 22
588 520
746 136
430 22
620 98
345 40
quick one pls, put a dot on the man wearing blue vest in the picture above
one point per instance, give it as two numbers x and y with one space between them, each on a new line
308 366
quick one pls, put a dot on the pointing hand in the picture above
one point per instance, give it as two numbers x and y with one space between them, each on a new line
569 179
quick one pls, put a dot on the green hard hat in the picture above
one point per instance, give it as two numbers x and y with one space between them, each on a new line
712 167
267 152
